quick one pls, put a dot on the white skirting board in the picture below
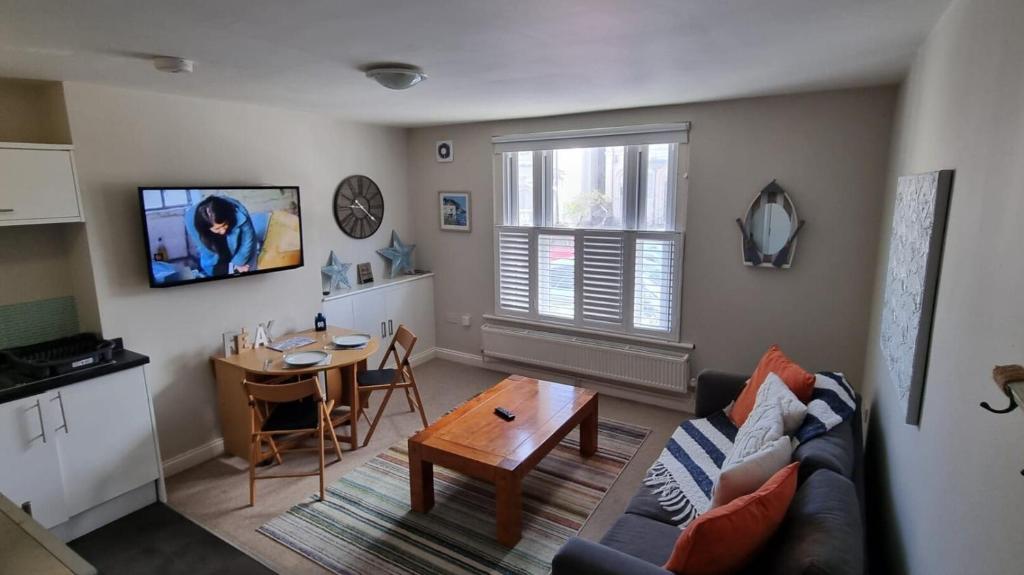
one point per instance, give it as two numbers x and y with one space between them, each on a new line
215 447
683 403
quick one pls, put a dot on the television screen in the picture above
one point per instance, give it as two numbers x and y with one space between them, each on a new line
202 234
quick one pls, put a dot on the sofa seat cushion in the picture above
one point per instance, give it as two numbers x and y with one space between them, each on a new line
642 537
821 533
835 451
645 504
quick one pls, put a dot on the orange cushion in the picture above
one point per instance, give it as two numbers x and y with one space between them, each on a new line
799 381
724 539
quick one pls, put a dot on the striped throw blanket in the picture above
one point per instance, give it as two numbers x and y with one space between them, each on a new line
686 471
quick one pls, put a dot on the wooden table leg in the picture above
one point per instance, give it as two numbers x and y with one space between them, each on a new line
508 493
588 432
353 391
421 481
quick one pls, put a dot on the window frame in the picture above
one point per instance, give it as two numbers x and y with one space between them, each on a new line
634 198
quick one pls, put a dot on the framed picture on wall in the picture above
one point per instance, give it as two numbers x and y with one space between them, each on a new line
455 212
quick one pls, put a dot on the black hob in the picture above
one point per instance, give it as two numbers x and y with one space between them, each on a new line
49 359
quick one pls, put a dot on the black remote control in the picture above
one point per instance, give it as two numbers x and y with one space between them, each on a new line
504 413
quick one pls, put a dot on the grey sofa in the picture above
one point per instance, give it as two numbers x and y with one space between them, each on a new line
822 533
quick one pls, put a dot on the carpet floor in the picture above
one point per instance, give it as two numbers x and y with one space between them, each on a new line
215 494
365 524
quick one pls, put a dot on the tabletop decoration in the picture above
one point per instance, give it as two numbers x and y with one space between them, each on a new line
334 274
400 255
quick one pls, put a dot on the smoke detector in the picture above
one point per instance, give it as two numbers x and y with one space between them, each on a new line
396 76
173 65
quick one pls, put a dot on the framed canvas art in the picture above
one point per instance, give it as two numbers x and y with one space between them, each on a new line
455 214
912 278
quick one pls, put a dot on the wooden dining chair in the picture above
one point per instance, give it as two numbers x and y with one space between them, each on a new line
288 412
389 379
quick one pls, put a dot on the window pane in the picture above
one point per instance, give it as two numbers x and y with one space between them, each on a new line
175 197
152 199
587 187
652 303
655 211
556 276
524 188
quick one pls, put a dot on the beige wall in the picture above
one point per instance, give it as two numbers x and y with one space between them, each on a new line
124 139
829 150
948 496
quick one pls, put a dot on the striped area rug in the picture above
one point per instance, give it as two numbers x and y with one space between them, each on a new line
365 524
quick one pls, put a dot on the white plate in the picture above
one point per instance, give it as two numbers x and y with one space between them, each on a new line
305 358
354 340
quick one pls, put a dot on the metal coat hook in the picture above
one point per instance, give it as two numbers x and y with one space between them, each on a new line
1010 379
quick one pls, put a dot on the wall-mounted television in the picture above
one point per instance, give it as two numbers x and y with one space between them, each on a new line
203 234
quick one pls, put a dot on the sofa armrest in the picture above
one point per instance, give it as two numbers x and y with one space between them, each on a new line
715 389
581 556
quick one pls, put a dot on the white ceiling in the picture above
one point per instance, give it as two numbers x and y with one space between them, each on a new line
487 59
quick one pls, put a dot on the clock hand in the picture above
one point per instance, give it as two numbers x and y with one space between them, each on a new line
360 206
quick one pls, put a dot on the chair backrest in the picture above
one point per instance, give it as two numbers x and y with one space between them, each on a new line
405 339
284 392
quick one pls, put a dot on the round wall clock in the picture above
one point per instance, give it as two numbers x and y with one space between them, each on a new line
358 206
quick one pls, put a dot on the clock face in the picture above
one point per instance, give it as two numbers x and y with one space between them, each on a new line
358 206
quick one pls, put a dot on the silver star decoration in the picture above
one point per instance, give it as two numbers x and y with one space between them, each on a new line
334 275
400 255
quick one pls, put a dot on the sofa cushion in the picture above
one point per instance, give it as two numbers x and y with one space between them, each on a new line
821 533
835 451
773 361
645 504
726 538
642 537
749 474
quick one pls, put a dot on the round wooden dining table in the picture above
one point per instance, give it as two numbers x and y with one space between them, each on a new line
264 365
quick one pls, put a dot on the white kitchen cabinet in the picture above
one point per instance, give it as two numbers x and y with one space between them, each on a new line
105 442
38 185
31 469
79 447
378 309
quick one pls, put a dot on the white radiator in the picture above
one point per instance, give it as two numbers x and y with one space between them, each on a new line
634 364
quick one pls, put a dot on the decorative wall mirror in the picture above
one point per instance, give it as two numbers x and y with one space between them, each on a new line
770 228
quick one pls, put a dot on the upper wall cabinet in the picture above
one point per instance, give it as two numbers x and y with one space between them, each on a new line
38 185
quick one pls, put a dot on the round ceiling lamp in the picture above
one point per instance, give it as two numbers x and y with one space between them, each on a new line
396 77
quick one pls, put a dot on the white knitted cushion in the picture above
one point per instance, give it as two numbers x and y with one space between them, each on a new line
793 410
749 474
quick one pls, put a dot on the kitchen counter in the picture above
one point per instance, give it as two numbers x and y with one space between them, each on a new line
28 548
122 359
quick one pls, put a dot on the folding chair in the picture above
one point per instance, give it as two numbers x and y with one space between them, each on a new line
287 409
390 379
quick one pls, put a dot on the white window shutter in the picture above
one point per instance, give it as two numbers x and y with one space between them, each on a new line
556 275
603 275
514 270
654 284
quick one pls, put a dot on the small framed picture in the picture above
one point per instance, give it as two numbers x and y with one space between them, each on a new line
443 151
455 213
364 273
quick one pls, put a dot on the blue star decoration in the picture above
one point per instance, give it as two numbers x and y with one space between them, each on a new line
335 274
400 255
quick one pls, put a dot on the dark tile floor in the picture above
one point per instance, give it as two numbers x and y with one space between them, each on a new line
158 540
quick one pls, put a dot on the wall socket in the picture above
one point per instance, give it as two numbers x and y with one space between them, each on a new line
463 319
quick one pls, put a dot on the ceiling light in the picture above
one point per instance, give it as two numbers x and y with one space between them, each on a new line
173 65
396 77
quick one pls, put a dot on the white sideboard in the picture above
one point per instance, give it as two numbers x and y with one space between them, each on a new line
379 308
38 185
83 454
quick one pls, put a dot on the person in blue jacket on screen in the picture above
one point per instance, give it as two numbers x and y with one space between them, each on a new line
223 233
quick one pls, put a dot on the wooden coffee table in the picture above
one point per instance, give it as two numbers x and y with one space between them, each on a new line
475 441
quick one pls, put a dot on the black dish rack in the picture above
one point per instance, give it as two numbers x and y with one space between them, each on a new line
59 356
